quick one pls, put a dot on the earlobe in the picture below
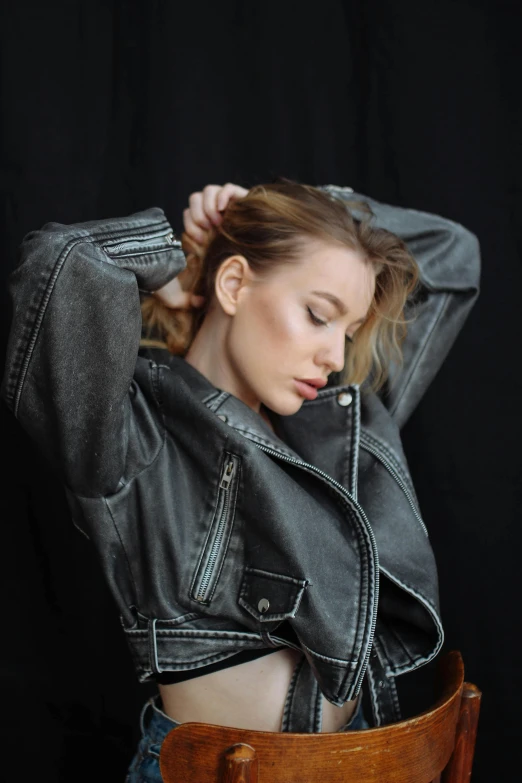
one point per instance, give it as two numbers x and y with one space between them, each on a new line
231 277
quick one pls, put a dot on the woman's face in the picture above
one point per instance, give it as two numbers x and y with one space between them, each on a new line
290 326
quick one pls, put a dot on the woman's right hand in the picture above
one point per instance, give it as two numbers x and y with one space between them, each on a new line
199 219
204 213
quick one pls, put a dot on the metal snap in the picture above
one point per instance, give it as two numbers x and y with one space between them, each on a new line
263 605
222 417
344 399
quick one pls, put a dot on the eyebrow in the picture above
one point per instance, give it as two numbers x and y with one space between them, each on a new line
340 306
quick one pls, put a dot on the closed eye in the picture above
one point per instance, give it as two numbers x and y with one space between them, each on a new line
314 319
319 322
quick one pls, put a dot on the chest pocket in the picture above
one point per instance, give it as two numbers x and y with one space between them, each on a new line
271 597
216 544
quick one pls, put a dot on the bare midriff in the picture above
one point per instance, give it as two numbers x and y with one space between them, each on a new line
248 696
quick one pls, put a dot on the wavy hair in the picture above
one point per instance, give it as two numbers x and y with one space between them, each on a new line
269 227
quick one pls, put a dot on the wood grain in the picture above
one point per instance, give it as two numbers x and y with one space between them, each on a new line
416 750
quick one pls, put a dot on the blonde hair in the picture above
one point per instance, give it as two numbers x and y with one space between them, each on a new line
269 227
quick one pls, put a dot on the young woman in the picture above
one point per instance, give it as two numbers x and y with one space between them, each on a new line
246 489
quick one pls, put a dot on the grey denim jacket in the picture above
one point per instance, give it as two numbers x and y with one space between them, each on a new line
215 534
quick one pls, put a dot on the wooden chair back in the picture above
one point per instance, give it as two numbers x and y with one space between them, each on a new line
435 746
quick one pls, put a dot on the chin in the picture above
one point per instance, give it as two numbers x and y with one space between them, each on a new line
285 407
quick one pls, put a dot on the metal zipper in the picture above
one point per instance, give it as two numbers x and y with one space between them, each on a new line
391 470
204 582
371 535
140 243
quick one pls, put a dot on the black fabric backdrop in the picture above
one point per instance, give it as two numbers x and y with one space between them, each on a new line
111 107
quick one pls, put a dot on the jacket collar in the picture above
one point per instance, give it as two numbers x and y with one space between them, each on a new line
320 433
230 409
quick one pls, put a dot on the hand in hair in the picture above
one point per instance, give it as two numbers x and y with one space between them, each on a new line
172 295
204 213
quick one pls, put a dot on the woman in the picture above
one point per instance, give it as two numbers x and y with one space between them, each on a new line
251 506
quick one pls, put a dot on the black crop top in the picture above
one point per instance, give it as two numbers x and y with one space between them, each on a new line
167 678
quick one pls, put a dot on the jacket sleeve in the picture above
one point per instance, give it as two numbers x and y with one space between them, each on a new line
448 256
74 339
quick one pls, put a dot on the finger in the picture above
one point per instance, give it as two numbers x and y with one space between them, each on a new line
229 192
189 247
210 194
195 233
197 211
197 301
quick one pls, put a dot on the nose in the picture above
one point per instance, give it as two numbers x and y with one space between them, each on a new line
332 353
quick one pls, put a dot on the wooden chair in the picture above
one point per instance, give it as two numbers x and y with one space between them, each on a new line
435 746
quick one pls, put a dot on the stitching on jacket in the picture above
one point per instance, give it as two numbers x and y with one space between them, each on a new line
414 364
341 662
140 635
149 252
354 441
419 660
374 697
214 402
391 695
40 316
251 435
383 647
155 382
290 694
131 575
172 622
298 585
277 577
380 445
138 232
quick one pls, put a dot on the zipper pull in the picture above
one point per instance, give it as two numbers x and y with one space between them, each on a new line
227 476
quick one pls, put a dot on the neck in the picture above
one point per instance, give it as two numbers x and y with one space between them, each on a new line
208 354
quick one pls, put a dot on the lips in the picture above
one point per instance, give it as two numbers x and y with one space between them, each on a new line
318 383
308 387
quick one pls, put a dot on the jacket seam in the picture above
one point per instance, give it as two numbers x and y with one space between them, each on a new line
49 288
194 633
376 442
340 662
127 562
354 443
97 238
263 441
414 364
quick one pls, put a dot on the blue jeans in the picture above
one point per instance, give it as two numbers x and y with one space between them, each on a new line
155 726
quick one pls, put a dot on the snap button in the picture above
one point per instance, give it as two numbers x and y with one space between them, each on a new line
344 399
263 605
222 417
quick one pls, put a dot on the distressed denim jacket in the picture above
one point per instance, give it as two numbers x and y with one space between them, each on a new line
215 533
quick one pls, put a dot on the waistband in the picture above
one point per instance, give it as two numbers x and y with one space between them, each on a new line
154 723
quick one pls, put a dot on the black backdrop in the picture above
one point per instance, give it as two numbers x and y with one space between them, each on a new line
111 107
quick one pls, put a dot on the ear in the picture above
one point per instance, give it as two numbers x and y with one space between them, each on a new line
232 277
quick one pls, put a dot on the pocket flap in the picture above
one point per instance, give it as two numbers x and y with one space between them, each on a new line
268 596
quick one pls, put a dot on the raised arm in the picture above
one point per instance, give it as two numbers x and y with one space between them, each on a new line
74 340
448 256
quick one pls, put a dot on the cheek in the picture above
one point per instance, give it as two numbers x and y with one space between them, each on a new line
278 331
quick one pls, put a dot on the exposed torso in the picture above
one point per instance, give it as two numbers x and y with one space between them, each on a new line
250 696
